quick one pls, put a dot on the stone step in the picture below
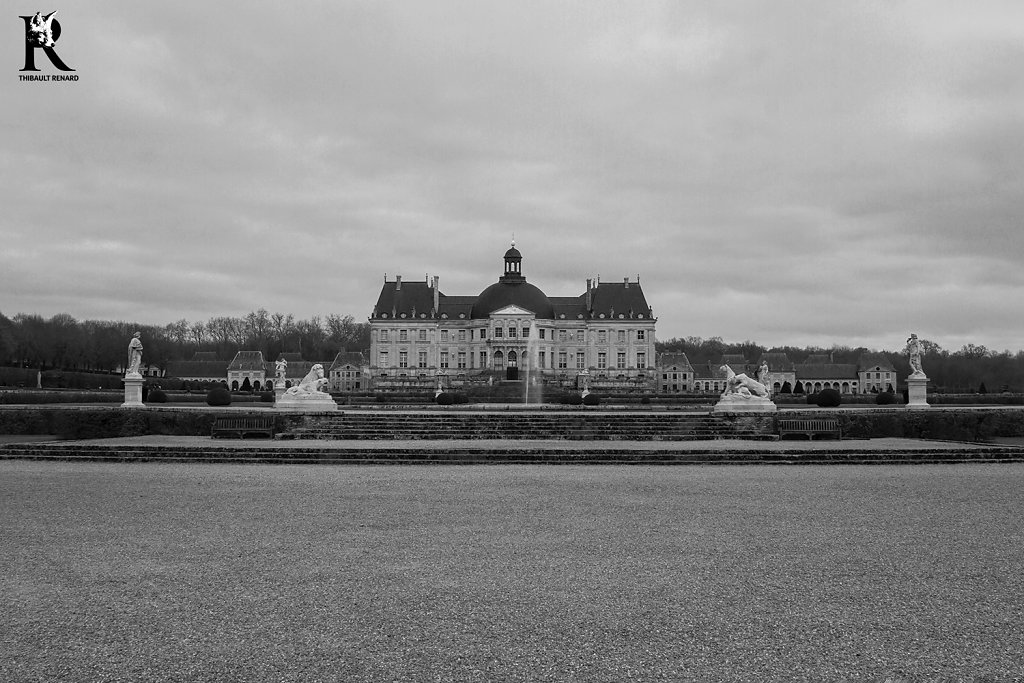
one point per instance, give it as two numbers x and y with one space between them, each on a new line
524 453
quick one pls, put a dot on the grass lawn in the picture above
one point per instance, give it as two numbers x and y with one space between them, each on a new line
151 572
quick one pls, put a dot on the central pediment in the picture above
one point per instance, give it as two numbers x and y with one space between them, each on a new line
512 309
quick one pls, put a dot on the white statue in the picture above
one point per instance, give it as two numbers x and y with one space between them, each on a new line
134 355
741 385
915 350
762 376
280 368
310 384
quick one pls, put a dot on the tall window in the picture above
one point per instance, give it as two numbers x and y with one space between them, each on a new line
423 335
526 333
483 360
382 359
640 335
602 360
602 336
422 359
563 360
499 333
444 335
512 332
462 360
384 335
579 336
641 360
620 360
562 335
581 361
541 332
444 359
403 335
622 336
462 335
403 359
541 359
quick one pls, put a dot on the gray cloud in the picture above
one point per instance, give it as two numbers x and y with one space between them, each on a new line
797 172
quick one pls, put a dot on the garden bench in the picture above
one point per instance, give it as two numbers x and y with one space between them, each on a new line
810 427
243 427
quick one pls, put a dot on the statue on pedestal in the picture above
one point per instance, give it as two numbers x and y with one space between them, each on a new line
280 369
134 355
743 394
762 376
310 385
915 350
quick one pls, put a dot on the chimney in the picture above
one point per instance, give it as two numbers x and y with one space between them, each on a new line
398 282
437 294
589 294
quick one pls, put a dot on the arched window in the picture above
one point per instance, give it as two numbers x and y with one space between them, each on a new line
234 385
513 359
846 387
499 360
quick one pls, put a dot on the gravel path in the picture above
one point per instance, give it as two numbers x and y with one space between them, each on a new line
164 572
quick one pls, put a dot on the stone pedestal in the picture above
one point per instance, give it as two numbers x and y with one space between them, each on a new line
736 403
133 391
917 392
315 402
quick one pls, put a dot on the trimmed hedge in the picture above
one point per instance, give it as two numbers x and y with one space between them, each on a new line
591 400
828 398
157 396
218 396
886 398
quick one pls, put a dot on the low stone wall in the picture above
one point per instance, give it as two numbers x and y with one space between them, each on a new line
83 422
100 423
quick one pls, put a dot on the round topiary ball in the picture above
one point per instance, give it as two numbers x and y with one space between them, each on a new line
829 398
445 399
157 396
885 398
218 396
591 400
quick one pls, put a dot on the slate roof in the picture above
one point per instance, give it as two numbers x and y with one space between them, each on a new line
200 369
354 358
674 359
614 299
805 371
205 356
879 361
248 361
818 359
709 371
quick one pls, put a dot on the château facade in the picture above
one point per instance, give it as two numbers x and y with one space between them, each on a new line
420 336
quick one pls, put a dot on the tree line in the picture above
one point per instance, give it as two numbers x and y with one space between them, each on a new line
970 369
62 342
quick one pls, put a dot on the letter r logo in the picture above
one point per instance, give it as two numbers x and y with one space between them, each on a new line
42 32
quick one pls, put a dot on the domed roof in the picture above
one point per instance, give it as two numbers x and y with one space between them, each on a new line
521 294
512 289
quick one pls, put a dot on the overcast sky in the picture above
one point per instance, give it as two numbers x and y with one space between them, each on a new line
806 173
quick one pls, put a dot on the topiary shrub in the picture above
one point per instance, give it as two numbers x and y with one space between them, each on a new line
591 400
885 398
266 397
157 396
461 399
573 399
812 399
646 400
829 398
218 396
445 399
